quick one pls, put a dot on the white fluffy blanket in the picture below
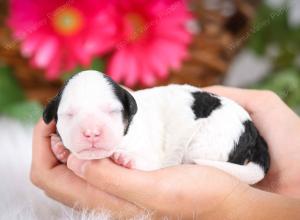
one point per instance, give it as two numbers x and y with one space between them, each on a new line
19 199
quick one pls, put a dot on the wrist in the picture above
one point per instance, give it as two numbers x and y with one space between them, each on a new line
240 203
233 205
249 203
227 208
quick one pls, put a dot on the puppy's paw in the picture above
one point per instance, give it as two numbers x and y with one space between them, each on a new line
58 149
123 159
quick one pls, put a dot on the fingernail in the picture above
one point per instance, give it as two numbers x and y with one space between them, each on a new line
76 165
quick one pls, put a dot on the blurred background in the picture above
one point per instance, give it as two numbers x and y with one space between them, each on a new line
141 44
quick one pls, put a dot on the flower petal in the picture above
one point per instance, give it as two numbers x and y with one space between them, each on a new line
132 68
46 52
116 65
31 44
53 70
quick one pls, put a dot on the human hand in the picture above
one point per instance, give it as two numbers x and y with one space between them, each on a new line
163 187
185 191
280 127
274 120
264 108
61 184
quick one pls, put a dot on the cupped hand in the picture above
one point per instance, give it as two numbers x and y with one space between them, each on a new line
126 192
280 127
184 191
174 190
61 184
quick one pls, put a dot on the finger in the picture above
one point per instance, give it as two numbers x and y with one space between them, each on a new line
42 156
44 129
64 186
244 97
107 176
264 108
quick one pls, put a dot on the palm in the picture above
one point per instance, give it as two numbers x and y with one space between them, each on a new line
280 127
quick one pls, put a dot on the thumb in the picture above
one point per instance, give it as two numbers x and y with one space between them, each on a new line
122 182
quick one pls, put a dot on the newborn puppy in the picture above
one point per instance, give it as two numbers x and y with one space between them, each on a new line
154 128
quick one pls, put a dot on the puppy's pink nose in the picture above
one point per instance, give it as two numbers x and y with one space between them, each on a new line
92 135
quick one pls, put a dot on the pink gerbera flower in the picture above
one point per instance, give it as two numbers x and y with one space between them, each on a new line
58 34
152 39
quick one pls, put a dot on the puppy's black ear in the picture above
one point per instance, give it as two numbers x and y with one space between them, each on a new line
129 104
50 111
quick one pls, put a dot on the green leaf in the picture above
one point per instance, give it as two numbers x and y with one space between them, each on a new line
297 110
285 58
286 84
98 64
26 111
259 35
10 91
67 75
271 27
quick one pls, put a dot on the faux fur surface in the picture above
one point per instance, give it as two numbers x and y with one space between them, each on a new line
19 199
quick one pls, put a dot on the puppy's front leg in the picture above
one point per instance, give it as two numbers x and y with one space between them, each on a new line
135 160
124 159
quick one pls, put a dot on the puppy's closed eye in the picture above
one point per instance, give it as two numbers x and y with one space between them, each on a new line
70 114
67 114
115 111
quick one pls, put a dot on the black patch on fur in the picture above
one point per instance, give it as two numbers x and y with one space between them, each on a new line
250 147
50 111
204 104
129 104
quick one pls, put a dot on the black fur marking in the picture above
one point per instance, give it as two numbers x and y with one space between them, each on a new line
251 147
129 104
50 111
204 104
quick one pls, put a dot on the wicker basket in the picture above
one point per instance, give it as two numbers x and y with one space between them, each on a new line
219 40
211 52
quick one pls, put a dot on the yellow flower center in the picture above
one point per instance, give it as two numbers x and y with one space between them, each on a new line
67 21
137 25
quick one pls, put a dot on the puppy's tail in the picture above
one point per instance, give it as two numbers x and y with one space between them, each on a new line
250 173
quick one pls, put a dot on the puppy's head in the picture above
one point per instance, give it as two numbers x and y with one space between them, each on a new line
93 113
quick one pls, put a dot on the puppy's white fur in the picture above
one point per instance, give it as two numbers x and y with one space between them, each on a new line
88 103
163 132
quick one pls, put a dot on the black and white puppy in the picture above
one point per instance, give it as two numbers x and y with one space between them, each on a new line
154 128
